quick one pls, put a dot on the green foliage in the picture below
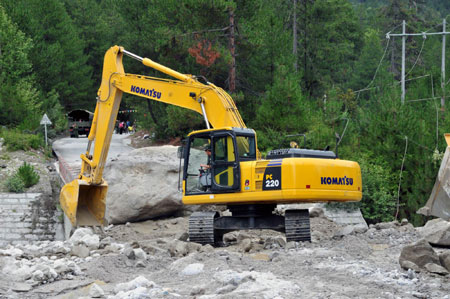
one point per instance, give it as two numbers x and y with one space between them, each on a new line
379 200
330 44
367 63
15 184
25 177
28 175
55 112
58 60
283 109
182 121
18 96
14 140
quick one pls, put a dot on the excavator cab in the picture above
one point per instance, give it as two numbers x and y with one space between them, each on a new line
219 151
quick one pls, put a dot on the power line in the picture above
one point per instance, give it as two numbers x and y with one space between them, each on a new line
396 82
343 132
426 99
379 64
416 143
444 33
203 31
388 34
418 56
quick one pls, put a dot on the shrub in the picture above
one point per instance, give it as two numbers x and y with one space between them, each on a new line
15 184
20 141
28 175
379 199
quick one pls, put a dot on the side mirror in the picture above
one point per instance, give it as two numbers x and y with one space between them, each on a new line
180 152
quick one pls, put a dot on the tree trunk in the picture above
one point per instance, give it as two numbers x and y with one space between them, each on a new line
150 110
232 76
294 33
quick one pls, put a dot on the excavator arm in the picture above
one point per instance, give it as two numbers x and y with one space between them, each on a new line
84 199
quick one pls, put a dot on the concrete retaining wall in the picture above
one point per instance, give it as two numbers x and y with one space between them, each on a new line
26 217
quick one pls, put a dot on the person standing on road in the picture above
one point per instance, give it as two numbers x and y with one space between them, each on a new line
128 125
121 125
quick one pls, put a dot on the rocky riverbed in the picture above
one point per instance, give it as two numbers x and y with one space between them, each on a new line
152 259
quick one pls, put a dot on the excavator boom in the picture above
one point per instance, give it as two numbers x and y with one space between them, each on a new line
84 199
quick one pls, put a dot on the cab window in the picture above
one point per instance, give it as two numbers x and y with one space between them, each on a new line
195 178
246 147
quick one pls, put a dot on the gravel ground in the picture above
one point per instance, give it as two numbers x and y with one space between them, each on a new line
150 260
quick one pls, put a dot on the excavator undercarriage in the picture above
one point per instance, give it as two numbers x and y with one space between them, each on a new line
209 227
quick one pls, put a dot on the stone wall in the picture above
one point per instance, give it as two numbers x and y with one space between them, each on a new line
26 217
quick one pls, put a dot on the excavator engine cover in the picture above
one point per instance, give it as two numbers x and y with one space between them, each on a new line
84 204
299 153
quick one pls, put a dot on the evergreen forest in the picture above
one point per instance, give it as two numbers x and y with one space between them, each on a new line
327 69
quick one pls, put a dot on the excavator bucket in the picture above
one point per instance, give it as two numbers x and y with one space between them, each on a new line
84 204
439 202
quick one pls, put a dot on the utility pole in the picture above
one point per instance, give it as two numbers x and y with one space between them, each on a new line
403 60
294 33
443 68
424 35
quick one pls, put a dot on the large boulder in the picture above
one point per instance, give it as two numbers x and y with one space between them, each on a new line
422 255
444 258
436 232
143 184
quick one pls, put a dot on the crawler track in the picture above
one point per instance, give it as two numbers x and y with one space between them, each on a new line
297 225
201 227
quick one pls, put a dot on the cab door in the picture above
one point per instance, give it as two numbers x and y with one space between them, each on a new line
225 163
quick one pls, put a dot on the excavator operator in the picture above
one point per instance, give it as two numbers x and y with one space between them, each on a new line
205 171
207 150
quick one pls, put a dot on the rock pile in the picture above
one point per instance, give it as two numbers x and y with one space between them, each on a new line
421 256
154 260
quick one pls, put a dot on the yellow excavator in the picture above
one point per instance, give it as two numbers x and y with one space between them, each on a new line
233 173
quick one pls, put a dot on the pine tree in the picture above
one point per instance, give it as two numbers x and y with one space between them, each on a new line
58 59
18 100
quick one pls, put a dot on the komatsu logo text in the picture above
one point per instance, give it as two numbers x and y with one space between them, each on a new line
146 92
336 181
